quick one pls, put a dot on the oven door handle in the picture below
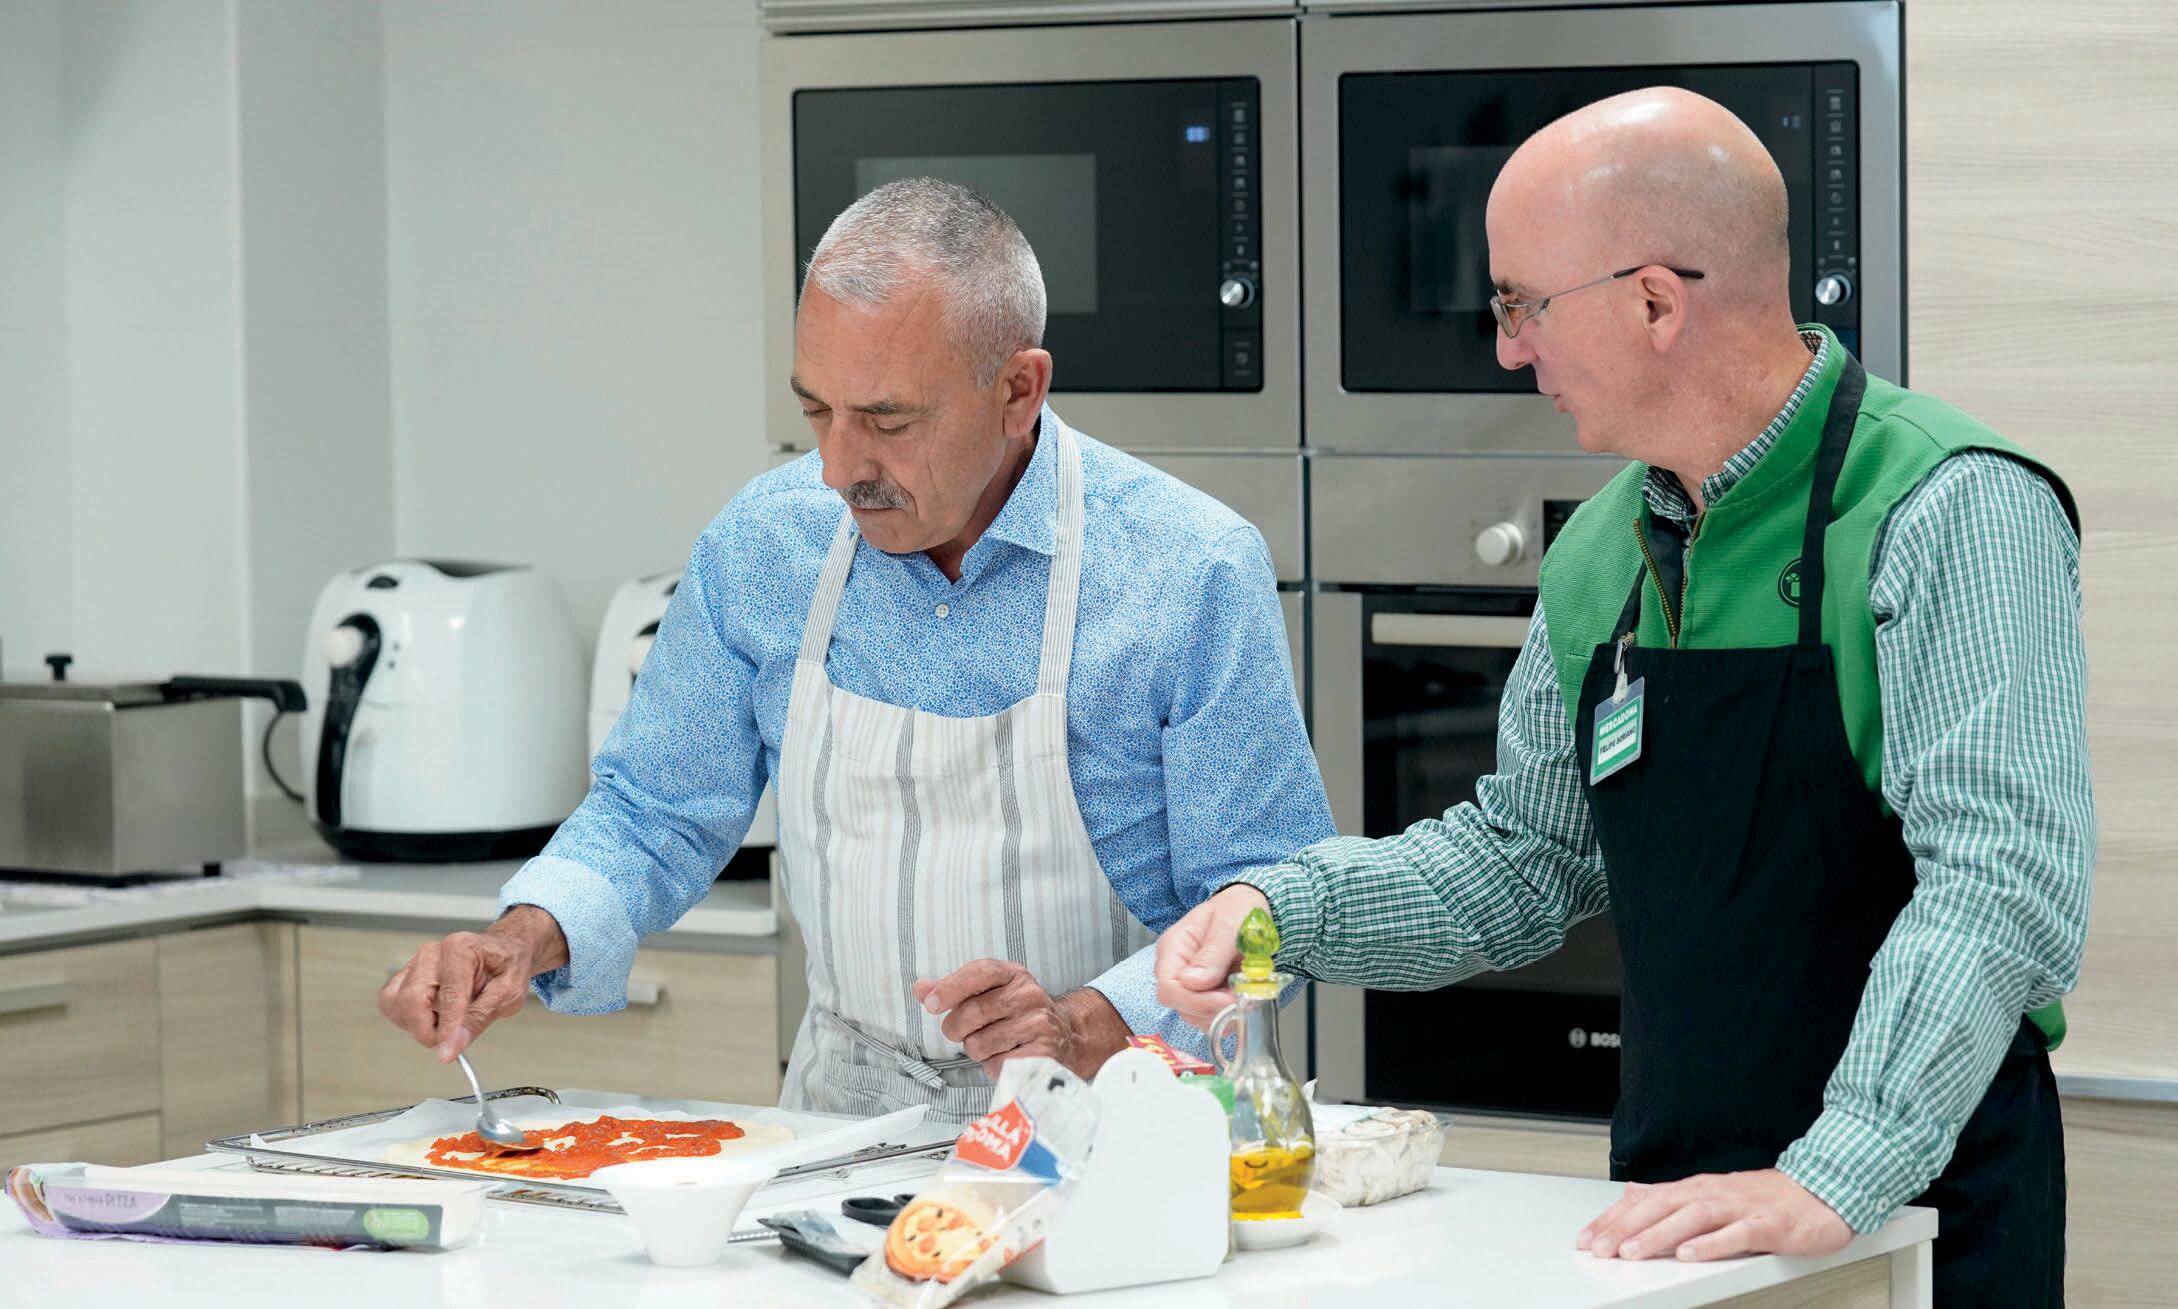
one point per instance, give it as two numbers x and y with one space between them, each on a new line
1445 630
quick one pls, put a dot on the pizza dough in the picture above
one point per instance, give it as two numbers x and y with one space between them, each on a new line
630 1140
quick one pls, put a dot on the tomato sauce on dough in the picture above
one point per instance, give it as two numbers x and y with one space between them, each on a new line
577 1150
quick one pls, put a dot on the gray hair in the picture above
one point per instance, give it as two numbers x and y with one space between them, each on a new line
921 228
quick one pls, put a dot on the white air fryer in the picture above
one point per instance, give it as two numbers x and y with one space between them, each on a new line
445 718
623 643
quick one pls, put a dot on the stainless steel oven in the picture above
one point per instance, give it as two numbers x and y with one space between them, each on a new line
1406 119
1153 166
1425 586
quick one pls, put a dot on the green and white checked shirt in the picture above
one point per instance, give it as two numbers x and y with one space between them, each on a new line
1975 587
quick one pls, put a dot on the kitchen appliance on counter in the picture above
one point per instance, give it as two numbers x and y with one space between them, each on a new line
1407 117
446 716
623 642
1427 584
122 782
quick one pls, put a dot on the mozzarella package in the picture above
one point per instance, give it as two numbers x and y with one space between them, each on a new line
1369 1155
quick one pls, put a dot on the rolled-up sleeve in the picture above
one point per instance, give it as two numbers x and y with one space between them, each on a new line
676 785
1976 594
1492 884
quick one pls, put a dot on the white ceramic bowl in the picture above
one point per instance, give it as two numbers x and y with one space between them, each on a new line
684 1209
1317 1210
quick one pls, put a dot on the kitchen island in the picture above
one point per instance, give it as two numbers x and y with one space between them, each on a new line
1472 1238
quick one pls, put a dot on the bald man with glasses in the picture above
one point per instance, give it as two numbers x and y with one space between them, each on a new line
1802 706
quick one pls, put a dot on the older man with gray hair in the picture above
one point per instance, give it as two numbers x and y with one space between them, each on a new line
1024 698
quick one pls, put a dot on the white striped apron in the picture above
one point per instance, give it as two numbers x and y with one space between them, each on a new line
912 844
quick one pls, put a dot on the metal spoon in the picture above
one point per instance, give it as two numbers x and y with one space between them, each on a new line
495 1130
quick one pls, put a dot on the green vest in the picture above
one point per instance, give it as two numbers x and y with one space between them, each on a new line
1741 583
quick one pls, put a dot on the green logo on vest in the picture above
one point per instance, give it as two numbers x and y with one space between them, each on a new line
1788 584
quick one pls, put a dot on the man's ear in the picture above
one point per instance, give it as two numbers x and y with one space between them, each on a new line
1663 306
1023 384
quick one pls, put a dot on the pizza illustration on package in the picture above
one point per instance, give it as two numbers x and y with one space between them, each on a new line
572 1151
933 1241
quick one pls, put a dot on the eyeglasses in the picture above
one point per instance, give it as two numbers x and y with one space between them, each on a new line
1512 314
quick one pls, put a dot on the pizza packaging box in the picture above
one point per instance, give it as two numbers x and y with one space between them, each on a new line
188 1205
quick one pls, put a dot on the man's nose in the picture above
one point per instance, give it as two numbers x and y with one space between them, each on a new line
1513 352
846 460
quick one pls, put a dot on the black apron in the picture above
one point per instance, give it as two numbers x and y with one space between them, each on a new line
1753 876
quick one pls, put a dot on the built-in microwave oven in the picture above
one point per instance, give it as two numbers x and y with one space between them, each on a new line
1153 167
1407 118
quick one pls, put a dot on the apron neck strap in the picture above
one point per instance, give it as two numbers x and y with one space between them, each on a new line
831 584
1829 459
1061 598
1837 434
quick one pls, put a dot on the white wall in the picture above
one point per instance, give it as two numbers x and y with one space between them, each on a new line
36 539
572 246
289 288
316 387
155 482
311 122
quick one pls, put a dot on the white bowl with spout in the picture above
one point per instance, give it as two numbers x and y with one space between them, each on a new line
684 1209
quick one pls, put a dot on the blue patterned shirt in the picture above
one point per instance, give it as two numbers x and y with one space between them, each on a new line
1189 758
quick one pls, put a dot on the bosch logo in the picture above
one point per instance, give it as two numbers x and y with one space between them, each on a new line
1580 1039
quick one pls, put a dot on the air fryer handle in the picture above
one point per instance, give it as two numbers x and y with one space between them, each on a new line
344 691
285 694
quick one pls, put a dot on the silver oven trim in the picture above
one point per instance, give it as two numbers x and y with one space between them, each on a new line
1335 625
1332 45
1335 672
1342 1045
888 15
1413 520
1469 630
1264 489
1265 49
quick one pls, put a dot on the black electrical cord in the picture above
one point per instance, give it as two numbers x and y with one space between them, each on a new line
264 749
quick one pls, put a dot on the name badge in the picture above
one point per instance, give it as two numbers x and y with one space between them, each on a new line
1617 740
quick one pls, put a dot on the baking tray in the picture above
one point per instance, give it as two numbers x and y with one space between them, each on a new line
286 1150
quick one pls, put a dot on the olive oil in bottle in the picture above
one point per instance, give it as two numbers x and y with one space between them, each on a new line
1273 1136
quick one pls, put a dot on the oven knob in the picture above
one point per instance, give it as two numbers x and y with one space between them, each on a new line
1833 289
1500 544
1237 292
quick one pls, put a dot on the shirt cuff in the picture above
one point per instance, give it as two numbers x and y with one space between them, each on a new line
1854 1164
593 918
1296 908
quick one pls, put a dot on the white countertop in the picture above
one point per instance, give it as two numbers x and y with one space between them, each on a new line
1473 1238
448 893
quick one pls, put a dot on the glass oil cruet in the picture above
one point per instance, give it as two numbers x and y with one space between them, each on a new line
1274 1139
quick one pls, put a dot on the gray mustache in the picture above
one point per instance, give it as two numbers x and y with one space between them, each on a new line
875 495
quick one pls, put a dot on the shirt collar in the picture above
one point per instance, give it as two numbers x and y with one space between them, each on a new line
1668 499
1030 516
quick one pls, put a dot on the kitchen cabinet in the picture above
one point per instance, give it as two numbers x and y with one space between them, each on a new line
139 1050
2121 1172
132 1140
1519 1146
700 1025
81 1030
227 1056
